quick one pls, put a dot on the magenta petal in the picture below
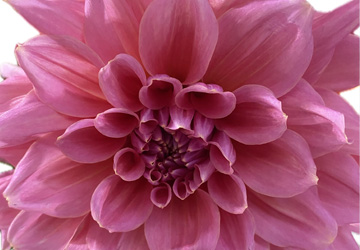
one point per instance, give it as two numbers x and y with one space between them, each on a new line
165 34
268 168
161 195
67 16
36 231
257 118
180 118
208 99
193 223
339 186
128 164
71 67
261 244
236 231
203 127
222 153
228 192
121 206
159 92
300 221
121 80
82 142
273 49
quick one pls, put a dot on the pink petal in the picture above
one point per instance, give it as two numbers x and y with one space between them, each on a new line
116 122
339 186
203 127
8 70
321 127
121 80
344 240
71 68
5 245
342 73
236 231
263 42
328 30
13 87
121 206
159 91
222 153
193 223
268 168
112 27
12 155
36 231
128 164
47 181
221 6
67 17
228 192
300 221
161 195
180 119
261 244
82 142
208 99
165 34
78 241
29 119
7 214
257 118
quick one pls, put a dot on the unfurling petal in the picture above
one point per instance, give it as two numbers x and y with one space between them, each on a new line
121 206
257 118
222 153
193 223
82 142
268 168
128 164
165 34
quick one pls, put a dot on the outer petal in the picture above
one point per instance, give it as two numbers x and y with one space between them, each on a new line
78 241
7 214
342 73
257 118
36 231
344 240
165 34
59 17
12 155
121 206
47 181
71 68
300 221
5 245
82 142
339 186
263 42
193 223
128 164
11 91
269 168
261 244
236 231
121 80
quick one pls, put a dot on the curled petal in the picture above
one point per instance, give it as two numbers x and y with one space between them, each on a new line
161 195
165 34
222 153
115 204
203 127
257 118
128 164
180 119
82 142
209 100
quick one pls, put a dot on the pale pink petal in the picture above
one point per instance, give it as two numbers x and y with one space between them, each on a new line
161 195
47 181
342 73
121 206
263 42
71 68
301 221
36 231
12 155
228 192
9 70
128 164
322 127
82 142
159 91
328 30
208 99
257 118
165 34
236 231
344 240
193 223
7 214
339 186
29 119
268 168
112 27
222 153
58 17
121 80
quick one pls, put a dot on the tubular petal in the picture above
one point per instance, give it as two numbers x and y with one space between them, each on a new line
268 168
165 34
161 195
128 164
193 223
115 204
82 142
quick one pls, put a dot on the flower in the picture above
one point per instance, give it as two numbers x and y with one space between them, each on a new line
192 124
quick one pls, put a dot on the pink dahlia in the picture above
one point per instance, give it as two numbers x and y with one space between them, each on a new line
181 124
